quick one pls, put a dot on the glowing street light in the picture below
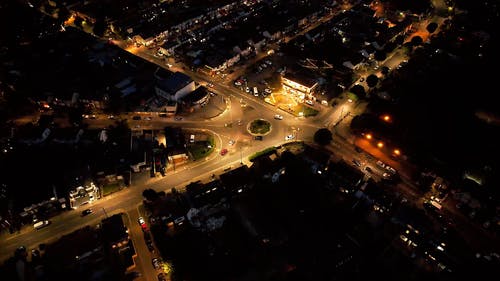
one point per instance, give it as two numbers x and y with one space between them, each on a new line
386 118
380 144
368 136
397 152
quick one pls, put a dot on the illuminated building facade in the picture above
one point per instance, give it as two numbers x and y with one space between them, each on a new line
298 85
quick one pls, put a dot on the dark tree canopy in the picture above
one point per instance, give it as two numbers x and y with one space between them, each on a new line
323 136
372 80
150 194
380 55
99 27
358 90
416 40
384 70
431 27
78 21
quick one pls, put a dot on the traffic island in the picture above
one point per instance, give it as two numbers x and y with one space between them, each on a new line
259 127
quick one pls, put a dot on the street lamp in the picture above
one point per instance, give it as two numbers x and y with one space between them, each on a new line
368 136
380 144
386 118
397 152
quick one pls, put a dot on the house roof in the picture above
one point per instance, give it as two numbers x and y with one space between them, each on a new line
301 78
196 95
174 82
113 229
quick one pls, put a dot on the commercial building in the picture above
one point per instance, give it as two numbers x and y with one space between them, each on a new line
299 85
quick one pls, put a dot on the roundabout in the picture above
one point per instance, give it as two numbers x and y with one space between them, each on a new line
259 127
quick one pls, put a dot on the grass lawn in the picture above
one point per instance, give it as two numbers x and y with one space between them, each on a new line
267 151
110 188
201 149
308 111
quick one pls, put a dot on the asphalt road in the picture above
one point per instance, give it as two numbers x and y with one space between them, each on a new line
129 200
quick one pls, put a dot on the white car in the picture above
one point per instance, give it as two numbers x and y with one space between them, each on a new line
231 142
268 91
289 137
309 102
278 117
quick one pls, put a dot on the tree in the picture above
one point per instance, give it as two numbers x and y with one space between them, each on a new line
323 136
99 27
63 14
431 27
384 70
150 194
358 90
416 40
372 80
78 22
380 55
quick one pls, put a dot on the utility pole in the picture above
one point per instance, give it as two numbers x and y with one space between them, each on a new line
106 214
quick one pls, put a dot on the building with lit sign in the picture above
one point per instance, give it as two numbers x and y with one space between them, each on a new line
299 85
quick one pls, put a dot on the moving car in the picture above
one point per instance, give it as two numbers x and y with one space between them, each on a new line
289 137
258 138
41 224
278 117
223 152
231 142
87 212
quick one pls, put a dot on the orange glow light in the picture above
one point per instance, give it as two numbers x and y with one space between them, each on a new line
386 118
369 136
397 152
380 144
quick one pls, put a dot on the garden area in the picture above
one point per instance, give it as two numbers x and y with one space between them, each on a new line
259 126
201 149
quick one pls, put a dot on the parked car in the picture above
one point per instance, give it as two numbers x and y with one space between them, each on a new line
151 248
136 118
258 138
356 162
156 263
289 137
162 276
309 102
142 223
278 117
